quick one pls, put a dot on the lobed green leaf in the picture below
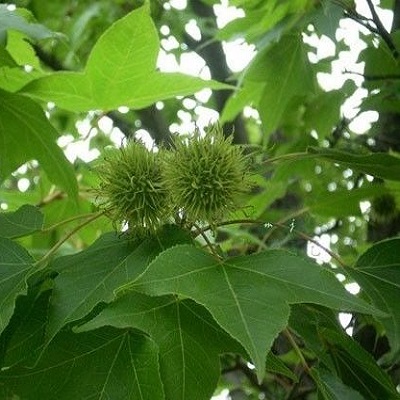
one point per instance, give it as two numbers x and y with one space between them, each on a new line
188 338
26 220
104 364
343 202
92 276
12 20
22 121
248 296
381 165
340 354
330 387
121 71
377 272
15 266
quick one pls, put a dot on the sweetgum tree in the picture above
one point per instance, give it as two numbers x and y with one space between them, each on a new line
189 266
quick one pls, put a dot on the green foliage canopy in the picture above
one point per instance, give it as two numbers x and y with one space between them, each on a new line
89 309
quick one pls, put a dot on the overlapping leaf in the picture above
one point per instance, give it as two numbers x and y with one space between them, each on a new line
256 21
91 276
287 74
323 112
248 296
378 273
342 202
249 94
276 75
26 220
103 364
347 362
12 20
23 338
357 368
188 338
326 19
381 165
15 263
14 78
6 59
380 63
121 71
330 387
26 134
275 365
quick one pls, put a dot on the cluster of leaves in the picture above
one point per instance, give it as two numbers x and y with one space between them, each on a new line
90 313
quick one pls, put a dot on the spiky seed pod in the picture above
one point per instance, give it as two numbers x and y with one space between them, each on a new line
132 188
206 175
383 208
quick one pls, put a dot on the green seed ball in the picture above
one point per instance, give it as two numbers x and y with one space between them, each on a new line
132 189
383 208
206 175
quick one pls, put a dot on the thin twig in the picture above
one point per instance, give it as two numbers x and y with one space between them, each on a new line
363 21
269 233
374 77
234 222
200 232
280 225
66 221
66 237
296 348
383 33
290 156
310 239
58 195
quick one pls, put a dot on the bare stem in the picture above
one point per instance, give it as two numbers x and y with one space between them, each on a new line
310 239
298 233
296 348
374 77
200 232
58 195
360 19
374 25
383 33
290 156
281 222
66 237
66 221
233 222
